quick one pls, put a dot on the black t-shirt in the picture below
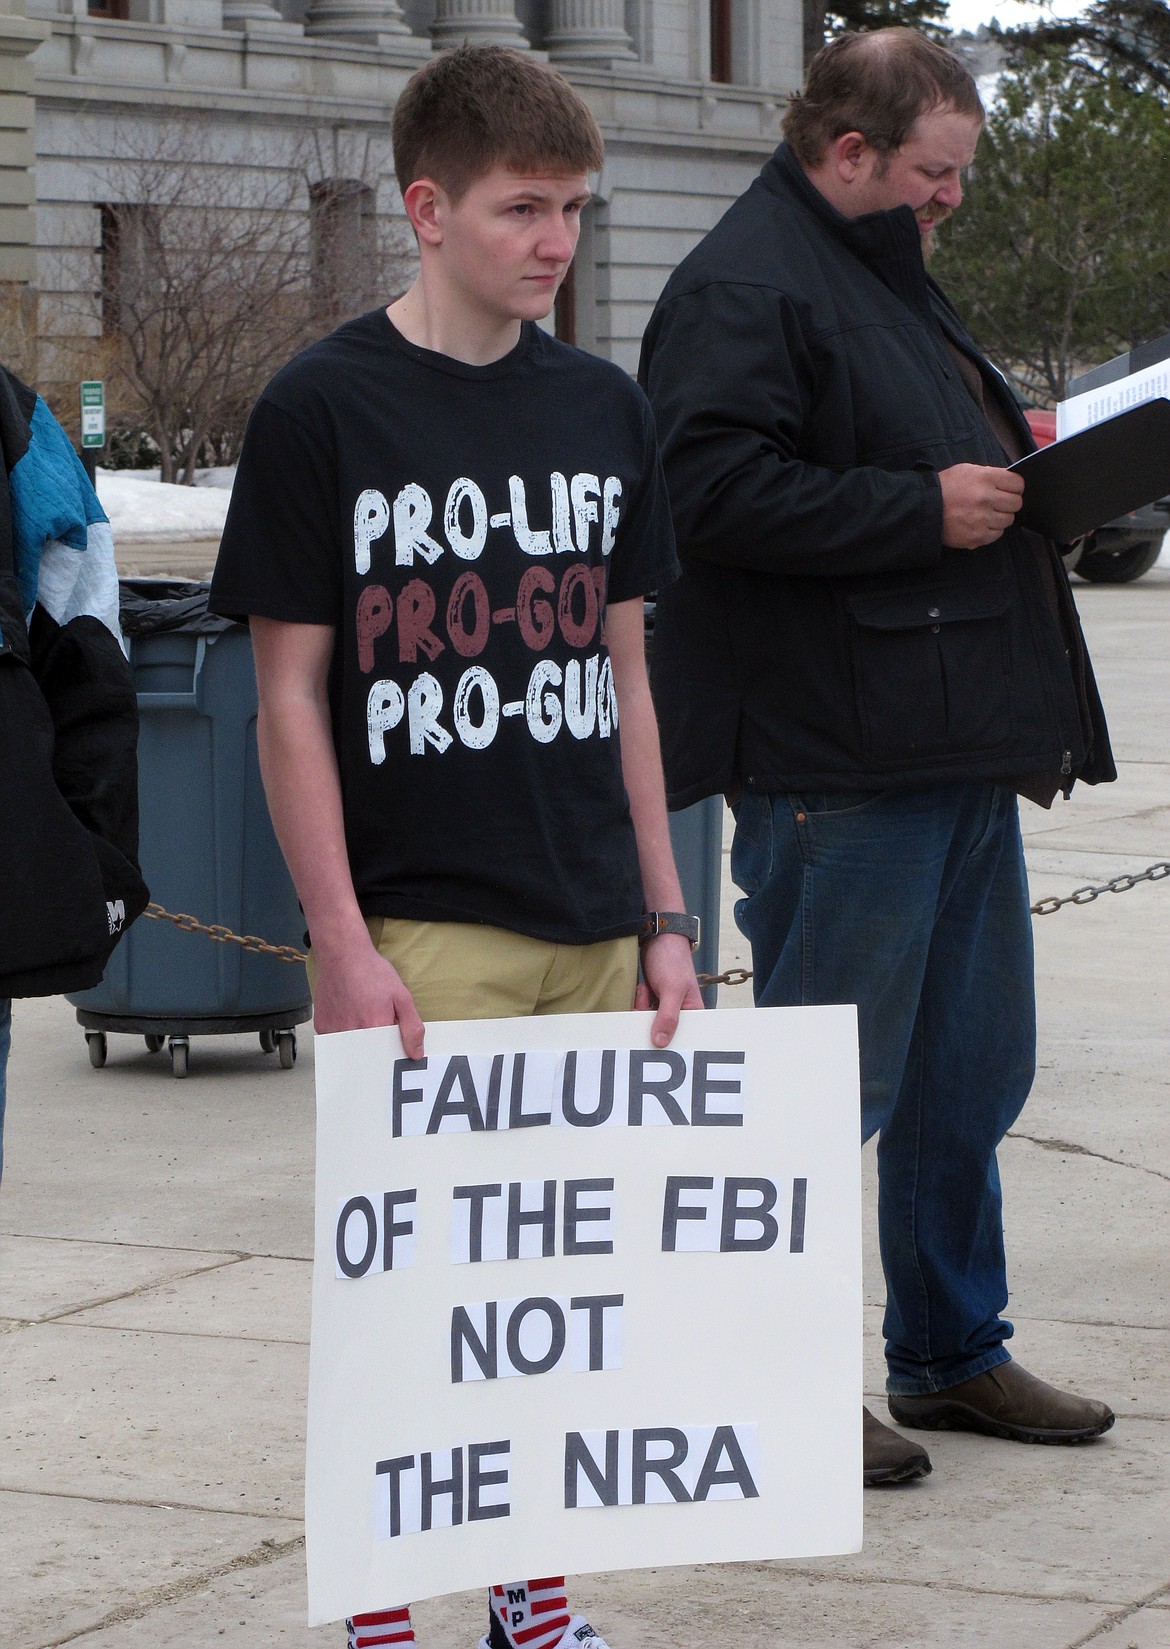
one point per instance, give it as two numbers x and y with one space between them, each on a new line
463 528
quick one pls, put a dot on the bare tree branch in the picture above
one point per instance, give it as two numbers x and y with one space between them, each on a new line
220 263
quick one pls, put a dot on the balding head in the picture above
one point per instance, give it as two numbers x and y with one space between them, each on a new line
877 84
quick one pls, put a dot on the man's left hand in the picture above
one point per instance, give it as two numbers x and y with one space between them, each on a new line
670 985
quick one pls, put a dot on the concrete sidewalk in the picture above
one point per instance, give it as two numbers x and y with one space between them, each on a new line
154 1312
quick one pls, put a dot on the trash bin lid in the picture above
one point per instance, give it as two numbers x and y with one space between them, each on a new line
149 606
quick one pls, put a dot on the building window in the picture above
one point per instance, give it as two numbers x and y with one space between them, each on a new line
343 235
119 10
131 256
721 43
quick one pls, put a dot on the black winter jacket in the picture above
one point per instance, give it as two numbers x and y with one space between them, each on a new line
821 636
69 878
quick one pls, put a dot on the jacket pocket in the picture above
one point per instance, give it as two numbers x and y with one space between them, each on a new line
932 671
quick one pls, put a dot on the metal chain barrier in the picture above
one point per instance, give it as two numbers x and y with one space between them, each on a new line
249 941
1119 884
1042 907
732 976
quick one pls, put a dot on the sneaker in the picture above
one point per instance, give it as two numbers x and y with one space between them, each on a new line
577 1632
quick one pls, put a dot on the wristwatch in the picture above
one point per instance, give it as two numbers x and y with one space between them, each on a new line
669 921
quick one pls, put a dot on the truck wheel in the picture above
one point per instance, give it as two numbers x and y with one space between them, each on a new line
1100 565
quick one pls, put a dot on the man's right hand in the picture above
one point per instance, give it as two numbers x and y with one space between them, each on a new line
979 504
354 992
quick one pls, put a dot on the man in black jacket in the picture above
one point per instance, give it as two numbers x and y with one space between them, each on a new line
871 659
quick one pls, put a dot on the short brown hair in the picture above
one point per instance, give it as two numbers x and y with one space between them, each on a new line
877 84
477 107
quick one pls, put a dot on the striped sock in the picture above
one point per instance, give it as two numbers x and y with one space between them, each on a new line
382 1626
533 1614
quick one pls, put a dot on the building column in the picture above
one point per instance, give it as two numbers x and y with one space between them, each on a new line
19 38
364 22
588 31
479 23
251 15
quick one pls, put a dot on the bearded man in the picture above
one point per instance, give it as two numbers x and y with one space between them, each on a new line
872 659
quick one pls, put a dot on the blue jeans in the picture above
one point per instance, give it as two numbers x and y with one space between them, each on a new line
5 1044
914 905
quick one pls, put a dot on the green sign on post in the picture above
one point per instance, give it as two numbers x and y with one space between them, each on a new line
93 413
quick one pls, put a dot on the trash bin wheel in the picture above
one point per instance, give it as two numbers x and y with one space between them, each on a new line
95 1041
267 1042
286 1047
154 1043
180 1049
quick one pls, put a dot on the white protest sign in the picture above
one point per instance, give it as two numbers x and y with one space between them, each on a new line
580 1304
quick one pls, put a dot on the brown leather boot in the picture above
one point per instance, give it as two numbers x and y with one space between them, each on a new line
1006 1401
887 1457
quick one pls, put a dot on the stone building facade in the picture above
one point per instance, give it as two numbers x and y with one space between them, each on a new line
19 38
688 93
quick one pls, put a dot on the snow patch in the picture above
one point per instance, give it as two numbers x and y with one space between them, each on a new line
136 503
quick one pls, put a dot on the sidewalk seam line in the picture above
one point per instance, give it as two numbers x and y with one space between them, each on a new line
1119 1616
149 1505
134 1293
974 1591
161 1247
259 1557
172 1333
1070 1148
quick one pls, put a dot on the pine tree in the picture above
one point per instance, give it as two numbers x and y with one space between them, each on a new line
1130 38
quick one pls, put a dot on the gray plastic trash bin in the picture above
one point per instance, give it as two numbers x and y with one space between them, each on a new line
696 834
207 844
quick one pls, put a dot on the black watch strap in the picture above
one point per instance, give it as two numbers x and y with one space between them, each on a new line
669 921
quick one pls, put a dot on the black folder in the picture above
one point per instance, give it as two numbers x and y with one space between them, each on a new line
1078 484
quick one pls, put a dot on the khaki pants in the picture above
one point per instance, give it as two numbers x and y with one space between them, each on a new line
461 970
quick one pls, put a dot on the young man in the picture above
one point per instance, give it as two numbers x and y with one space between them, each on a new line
442 529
